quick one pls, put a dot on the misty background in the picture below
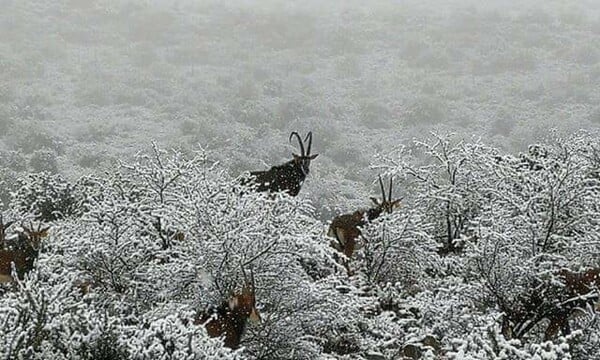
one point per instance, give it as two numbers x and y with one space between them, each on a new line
84 83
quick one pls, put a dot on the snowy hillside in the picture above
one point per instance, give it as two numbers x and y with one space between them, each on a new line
156 204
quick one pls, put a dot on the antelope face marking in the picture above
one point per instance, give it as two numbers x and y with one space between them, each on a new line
254 315
230 318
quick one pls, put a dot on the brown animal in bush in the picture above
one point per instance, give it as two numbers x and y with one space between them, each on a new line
229 318
24 256
556 303
345 229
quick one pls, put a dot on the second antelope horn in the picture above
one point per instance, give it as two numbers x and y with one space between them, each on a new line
390 190
309 138
382 188
299 141
244 273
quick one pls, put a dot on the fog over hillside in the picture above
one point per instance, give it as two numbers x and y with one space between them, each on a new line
94 81
400 88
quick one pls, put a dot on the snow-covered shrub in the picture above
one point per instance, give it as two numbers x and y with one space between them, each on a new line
168 232
512 222
142 251
541 216
398 249
48 197
170 337
443 181
43 318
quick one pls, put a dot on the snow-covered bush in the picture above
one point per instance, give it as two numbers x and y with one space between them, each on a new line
398 249
443 179
44 318
135 256
509 224
169 337
173 234
48 197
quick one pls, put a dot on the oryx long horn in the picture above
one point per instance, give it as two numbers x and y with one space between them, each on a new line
252 279
244 273
390 190
382 188
299 141
309 138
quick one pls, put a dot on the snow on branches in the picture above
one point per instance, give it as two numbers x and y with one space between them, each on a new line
486 255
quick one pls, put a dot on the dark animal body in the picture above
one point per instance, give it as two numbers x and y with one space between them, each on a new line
23 257
286 177
289 176
229 319
346 229
555 302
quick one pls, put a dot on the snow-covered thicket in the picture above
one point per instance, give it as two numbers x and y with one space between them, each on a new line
168 236
135 255
504 226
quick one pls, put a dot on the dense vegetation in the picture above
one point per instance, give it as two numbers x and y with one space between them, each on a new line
513 222
140 243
